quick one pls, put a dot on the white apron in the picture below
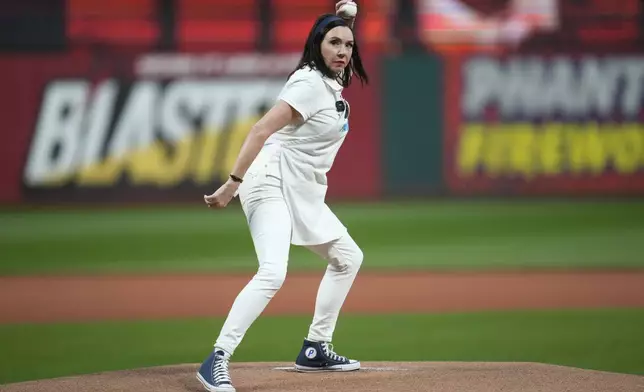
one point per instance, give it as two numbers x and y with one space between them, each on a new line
303 182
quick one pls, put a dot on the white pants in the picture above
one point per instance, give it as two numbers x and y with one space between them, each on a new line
270 226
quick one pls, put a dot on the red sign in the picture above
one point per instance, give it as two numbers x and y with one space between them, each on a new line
151 127
545 125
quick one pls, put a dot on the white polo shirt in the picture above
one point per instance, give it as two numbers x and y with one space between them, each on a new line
301 155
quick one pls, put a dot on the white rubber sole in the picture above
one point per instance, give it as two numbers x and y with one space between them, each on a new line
213 388
350 367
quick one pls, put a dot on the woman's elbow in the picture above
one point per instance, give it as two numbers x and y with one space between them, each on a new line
260 133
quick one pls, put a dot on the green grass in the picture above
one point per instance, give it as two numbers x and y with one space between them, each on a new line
439 235
609 340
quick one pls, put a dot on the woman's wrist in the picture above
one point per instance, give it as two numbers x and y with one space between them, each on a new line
235 178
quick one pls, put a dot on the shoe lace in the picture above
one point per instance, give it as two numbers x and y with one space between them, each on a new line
220 370
328 351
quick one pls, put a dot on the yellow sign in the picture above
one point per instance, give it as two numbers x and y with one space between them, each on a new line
526 150
199 158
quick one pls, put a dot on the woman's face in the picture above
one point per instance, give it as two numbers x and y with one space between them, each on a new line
337 48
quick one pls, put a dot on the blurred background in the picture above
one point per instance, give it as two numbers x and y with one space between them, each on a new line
494 135
143 103
150 100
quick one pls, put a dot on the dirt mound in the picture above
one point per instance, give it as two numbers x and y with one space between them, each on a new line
374 376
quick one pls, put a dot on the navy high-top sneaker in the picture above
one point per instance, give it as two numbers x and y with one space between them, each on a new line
213 373
320 357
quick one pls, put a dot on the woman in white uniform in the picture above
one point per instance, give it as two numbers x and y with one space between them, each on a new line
280 177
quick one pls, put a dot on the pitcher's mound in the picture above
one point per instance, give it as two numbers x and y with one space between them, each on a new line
374 376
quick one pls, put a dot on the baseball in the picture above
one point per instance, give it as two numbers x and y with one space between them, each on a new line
349 10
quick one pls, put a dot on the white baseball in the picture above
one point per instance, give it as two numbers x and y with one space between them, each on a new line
348 9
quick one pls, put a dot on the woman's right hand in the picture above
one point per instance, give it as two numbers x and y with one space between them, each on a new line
337 10
222 196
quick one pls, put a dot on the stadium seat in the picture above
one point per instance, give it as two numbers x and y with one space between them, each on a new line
217 23
118 22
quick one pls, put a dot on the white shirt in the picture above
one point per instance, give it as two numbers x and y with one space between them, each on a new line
301 155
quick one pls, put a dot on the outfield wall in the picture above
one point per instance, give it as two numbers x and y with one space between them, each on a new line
99 127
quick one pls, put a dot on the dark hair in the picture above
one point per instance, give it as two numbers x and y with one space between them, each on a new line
312 54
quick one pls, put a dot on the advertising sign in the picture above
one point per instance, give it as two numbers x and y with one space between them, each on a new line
545 125
147 127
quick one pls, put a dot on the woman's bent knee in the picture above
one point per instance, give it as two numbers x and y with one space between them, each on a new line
271 278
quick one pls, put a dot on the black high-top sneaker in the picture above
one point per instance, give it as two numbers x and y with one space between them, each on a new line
213 373
320 357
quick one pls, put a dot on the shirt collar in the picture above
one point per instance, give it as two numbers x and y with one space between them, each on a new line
332 83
